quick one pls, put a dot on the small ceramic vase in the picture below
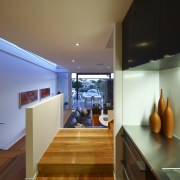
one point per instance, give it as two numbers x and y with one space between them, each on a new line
168 123
155 121
161 107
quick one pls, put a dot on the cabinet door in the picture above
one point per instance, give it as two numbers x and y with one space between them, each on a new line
127 39
170 27
146 31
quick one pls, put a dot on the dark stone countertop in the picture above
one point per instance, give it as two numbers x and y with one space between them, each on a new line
156 150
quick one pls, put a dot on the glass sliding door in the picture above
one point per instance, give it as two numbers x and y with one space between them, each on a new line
88 89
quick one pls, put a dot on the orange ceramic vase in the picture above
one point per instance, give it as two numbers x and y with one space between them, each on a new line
168 123
155 121
161 107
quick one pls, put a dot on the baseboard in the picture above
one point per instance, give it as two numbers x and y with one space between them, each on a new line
6 147
121 178
114 176
33 178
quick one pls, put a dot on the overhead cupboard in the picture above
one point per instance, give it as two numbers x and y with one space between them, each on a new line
151 31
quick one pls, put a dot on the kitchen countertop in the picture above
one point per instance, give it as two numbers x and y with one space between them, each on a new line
157 151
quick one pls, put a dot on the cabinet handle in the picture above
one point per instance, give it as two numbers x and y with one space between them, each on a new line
140 164
123 162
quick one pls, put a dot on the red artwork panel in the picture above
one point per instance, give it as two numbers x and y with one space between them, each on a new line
27 97
44 92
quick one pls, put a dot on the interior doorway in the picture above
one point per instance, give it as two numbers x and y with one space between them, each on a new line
92 97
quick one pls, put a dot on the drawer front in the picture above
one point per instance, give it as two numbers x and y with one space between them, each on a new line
133 165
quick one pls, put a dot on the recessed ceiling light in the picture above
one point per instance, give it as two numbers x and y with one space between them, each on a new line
73 61
108 67
168 55
130 61
77 44
78 67
100 64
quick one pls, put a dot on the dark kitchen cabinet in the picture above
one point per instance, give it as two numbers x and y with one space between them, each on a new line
146 30
127 39
169 27
151 31
134 167
140 33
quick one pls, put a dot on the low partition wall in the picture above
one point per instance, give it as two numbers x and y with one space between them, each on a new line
43 121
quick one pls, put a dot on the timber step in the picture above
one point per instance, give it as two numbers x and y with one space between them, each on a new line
79 151
76 177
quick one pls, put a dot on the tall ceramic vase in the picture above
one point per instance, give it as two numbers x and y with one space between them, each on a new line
161 107
168 124
155 121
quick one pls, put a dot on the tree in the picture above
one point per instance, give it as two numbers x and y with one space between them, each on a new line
93 81
100 85
75 85
92 86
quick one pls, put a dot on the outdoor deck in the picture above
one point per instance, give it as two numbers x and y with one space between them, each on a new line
86 104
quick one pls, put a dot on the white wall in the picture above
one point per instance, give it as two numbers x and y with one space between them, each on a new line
64 85
18 75
170 83
117 99
43 122
140 91
142 88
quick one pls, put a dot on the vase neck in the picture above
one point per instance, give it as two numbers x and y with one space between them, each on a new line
161 94
168 101
154 107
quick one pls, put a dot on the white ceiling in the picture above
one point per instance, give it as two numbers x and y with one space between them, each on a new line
50 28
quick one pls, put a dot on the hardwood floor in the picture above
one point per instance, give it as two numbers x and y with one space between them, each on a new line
12 162
77 177
82 148
78 154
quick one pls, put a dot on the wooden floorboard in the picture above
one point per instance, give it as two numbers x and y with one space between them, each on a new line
81 152
19 146
14 171
12 162
76 177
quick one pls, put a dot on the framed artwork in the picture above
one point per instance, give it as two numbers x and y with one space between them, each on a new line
27 97
44 92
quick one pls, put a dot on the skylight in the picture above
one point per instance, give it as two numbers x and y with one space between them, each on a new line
29 56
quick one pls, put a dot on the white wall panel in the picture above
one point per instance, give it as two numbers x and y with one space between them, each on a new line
63 85
170 83
118 99
43 122
17 75
140 91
